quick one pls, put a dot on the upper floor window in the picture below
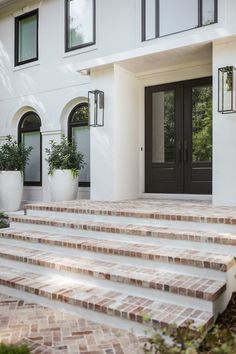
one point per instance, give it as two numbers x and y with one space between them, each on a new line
26 38
164 17
80 23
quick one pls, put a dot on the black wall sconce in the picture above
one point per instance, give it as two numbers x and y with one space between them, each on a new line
226 90
96 108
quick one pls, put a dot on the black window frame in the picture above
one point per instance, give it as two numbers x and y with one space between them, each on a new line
29 130
157 27
71 125
67 29
17 21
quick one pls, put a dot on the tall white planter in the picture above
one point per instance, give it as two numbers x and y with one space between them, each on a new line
63 186
11 190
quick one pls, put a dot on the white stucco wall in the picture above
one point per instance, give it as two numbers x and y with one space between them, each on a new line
52 86
224 133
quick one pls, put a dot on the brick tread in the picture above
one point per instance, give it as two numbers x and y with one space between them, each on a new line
131 229
104 300
193 286
146 208
162 253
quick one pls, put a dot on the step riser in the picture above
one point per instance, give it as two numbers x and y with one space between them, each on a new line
146 240
186 225
96 227
152 294
102 300
135 214
172 260
118 278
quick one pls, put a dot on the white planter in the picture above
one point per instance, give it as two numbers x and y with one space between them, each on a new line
63 186
11 190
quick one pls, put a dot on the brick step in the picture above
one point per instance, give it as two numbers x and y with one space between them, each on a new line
113 303
162 253
173 210
228 239
162 280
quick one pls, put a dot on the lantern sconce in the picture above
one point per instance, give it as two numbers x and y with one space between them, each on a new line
226 90
96 108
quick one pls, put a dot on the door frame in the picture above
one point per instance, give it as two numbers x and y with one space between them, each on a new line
183 104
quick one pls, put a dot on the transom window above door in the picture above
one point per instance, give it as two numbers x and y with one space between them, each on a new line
80 24
26 38
164 17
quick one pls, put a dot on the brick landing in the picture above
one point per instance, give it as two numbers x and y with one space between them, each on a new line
49 331
182 210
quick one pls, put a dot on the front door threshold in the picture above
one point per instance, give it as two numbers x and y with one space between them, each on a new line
207 197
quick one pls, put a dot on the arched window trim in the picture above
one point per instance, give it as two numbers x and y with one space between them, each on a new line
72 125
29 130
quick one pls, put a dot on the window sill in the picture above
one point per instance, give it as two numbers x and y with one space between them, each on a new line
79 51
26 66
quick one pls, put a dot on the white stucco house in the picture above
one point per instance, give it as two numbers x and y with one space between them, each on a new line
157 63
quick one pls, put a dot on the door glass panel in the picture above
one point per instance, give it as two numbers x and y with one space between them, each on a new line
202 123
81 135
32 170
163 126
172 19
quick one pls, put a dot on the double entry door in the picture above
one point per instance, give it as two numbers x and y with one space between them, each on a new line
178 137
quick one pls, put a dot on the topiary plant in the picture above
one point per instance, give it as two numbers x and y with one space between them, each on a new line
64 156
13 156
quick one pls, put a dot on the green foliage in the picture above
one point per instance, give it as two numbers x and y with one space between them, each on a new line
185 340
202 124
13 349
14 156
64 156
3 220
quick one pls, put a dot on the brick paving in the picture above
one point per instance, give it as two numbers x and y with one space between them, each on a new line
49 331
104 300
197 211
130 229
198 287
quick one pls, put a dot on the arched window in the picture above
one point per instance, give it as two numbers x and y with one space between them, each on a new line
78 131
29 134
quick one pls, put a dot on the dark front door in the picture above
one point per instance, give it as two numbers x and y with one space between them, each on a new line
178 135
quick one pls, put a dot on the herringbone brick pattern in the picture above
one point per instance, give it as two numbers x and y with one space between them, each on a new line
49 331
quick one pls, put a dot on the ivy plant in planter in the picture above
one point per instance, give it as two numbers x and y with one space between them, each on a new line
64 162
13 159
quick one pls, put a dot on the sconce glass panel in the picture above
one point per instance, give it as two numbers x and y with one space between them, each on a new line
226 90
96 108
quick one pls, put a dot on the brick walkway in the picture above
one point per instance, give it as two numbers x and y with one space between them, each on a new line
49 331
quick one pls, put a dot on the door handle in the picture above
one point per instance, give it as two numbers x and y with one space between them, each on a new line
179 151
185 150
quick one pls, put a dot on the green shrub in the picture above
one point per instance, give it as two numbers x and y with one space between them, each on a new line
64 156
13 349
184 340
3 220
13 156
